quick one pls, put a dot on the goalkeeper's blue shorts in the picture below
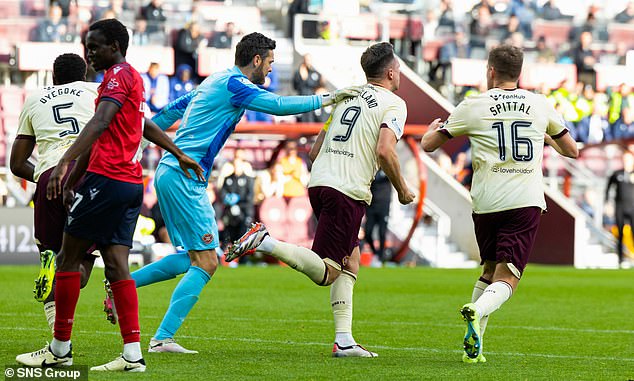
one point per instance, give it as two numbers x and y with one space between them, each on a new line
186 209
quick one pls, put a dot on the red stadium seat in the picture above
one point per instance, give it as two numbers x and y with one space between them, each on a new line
555 32
9 8
404 26
621 33
273 215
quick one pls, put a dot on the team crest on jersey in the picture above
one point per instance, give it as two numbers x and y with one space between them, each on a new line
208 238
117 69
112 84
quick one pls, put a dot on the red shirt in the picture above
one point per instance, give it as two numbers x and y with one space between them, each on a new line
116 153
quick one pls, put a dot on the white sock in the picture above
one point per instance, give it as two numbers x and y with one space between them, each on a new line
478 289
49 311
132 351
299 258
60 348
267 245
341 301
493 297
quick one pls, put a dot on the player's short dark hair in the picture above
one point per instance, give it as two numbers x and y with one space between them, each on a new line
113 30
376 59
507 61
69 67
251 45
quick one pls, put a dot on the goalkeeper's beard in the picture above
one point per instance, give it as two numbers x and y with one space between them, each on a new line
258 75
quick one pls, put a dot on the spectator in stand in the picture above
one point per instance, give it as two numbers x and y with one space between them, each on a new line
525 16
224 39
186 46
140 36
377 215
153 14
305 81
593 25
447 20
157 88
116 9
53 29
513 26
623 180
181 83
295 172
236 195
550 11
457 47
626 15
430 24
618 99
480 27
544 53
269 183
624 128
584 59
595 128
67 6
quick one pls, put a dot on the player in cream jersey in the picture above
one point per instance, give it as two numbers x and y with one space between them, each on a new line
360 136
507 128
347 160
52 118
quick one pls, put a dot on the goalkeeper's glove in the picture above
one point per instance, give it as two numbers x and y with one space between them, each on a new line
339 95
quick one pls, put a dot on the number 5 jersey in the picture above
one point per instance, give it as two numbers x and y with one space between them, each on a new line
53 116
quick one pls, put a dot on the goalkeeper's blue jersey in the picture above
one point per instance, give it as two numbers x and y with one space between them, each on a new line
211 112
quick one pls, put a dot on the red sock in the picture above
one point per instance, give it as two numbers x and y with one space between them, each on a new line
126 302
67 285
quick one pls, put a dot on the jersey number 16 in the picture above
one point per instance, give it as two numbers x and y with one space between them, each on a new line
522 147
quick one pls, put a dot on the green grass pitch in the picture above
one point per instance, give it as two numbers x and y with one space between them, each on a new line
274 324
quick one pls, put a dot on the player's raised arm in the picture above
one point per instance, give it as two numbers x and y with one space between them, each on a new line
174 111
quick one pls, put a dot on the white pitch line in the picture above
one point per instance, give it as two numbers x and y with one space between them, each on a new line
368 322
312 344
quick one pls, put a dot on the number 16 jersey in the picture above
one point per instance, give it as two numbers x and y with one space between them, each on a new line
347 159
54 116
506 129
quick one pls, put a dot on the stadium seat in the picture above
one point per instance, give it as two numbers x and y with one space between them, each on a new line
273 215
621 33
555 32
404 26
9 8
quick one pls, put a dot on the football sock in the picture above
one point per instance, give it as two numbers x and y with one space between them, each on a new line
493 297
341 301
66 296
268 244
127 302
49 311
132 351
183 299
60 348
166 268
299 258
480 285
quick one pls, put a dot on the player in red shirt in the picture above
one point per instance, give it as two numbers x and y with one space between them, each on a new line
106 205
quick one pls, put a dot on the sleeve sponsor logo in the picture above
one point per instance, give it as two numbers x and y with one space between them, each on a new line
112 84
396 125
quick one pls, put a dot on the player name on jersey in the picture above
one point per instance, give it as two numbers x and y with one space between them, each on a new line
59 92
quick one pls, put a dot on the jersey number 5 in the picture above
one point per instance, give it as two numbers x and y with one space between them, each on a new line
518 142
74 125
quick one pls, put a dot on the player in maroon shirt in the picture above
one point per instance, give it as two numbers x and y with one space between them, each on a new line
106 205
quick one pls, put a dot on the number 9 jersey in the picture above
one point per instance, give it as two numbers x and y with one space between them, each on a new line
347 160
53 116
506 129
